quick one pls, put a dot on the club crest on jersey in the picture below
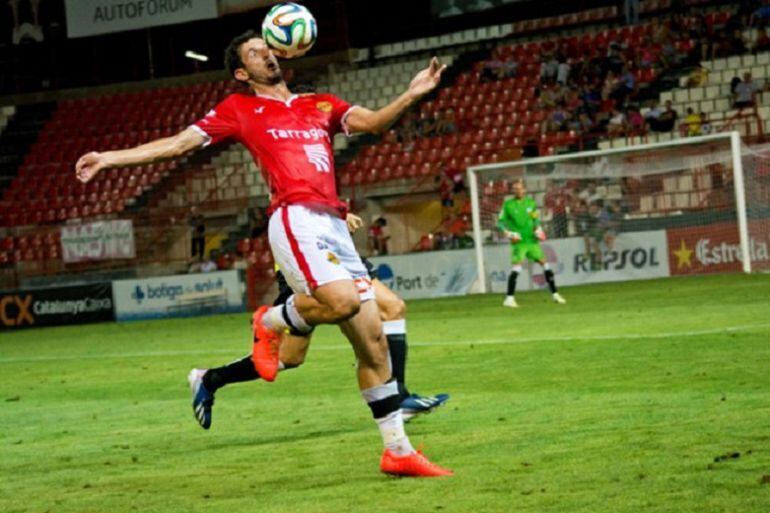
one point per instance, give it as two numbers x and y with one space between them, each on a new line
324 106
331 257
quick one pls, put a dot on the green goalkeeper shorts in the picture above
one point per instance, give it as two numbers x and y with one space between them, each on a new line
529 250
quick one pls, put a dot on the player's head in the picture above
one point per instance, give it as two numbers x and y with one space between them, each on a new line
250 60
519 190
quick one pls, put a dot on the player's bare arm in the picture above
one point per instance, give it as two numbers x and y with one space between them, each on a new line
184 142
362 119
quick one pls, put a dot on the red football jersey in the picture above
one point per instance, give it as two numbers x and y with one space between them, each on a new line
291 142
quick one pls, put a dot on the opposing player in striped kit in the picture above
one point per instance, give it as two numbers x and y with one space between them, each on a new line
204 383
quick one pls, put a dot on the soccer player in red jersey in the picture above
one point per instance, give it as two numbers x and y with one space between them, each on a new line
290 137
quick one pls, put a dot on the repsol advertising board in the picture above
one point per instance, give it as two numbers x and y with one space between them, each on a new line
633 256
172 296
56 306
715 248
422 275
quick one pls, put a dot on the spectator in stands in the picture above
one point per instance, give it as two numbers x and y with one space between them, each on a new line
446 193
591 97
737 43
635 121
762 43
648 57
590 194
665 121
615 59
209 265
698 77
426 125
497 69
745 93
224 261
581 123
572 101
759 17
549 97
562 72
408 129
631 11
257 222
653 113
691 124
627 85
586 221
669 57
29 28
556 120
616 126
377 237
445 122
556 200
197 225
608 223
610 85
549 67
449 8
705 124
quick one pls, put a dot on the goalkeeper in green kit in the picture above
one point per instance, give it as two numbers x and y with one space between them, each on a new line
520 221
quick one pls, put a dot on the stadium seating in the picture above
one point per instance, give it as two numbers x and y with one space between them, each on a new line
494 116
45 189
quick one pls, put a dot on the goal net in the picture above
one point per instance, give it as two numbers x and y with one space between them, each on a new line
688 206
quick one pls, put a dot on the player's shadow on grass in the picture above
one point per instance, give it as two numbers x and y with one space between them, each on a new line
297 435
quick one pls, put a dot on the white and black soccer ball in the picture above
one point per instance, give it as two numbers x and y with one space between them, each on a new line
290 30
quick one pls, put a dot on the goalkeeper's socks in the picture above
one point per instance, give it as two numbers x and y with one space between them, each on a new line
512 283
385 404
395 332
549 278
235 372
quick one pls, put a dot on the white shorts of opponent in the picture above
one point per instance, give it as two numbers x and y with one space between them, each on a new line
315 248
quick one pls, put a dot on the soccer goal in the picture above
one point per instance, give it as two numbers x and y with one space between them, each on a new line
688 206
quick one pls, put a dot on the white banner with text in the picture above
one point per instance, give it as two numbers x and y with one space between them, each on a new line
633 256
101 240
180 295
92 17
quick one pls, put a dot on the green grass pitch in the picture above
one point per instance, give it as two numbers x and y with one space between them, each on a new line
619 401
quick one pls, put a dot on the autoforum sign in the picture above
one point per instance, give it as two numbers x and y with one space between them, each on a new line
92 17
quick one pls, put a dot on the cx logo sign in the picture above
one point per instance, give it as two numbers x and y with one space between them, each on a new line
16 310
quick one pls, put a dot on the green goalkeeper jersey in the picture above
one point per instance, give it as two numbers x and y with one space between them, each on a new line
521 216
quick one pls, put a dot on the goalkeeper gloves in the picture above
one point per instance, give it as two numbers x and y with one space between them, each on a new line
539 233
514 236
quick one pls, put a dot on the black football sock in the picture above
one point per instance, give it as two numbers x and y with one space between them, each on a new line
512 282
235 372
551 280
395 332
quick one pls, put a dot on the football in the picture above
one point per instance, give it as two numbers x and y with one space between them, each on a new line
290 30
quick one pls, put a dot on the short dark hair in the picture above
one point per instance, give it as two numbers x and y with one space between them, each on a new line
233 59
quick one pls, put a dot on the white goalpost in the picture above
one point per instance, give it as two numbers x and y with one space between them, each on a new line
693 205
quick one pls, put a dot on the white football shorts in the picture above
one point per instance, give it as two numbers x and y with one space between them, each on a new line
315 248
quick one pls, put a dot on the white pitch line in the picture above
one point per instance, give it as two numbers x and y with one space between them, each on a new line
340 347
